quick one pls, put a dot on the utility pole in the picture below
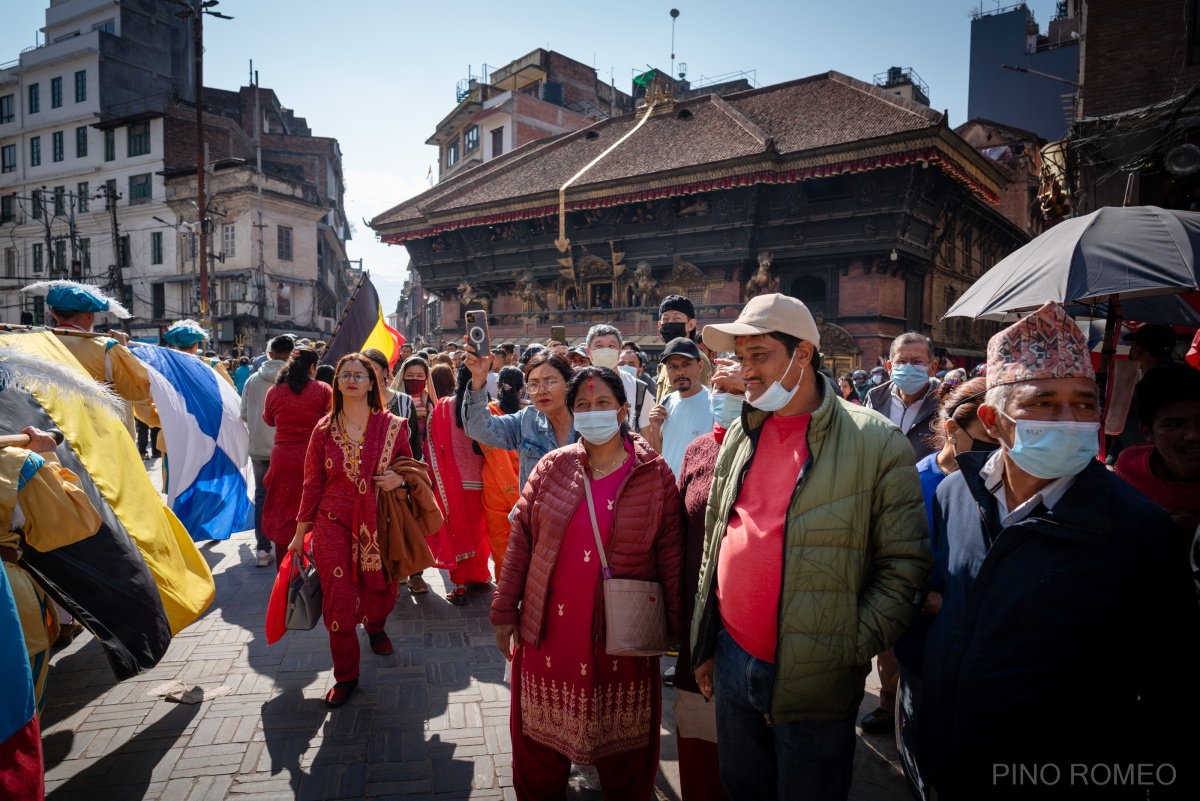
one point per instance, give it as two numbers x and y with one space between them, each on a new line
260 282
196 9
111 197
76 264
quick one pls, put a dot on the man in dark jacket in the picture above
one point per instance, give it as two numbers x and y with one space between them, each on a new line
1068 626
910 397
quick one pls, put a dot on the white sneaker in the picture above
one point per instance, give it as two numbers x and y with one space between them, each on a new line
263 558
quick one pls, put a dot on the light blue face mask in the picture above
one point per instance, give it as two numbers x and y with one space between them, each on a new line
909 378
597 427
725 408
629 370
1052 449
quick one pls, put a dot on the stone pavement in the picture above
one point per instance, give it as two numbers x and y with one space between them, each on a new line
430 721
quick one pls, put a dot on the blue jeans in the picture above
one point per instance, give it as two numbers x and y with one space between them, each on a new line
261 543
804 760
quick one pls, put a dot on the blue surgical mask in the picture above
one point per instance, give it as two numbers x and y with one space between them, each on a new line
1052 449
629 370
725 408
909 378
776 397
597 427
876 378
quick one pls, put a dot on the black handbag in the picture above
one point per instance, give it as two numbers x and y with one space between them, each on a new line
304 594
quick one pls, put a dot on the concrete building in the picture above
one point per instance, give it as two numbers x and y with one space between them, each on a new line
98 139
1010 37
81 136
540 94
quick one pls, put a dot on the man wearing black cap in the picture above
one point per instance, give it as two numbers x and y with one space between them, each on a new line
684 414
677 318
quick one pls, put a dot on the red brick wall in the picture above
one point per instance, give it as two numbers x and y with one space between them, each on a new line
1136 54
223 136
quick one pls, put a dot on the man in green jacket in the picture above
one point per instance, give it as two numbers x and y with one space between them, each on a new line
815 555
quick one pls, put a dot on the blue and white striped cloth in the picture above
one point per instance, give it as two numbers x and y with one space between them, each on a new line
208 446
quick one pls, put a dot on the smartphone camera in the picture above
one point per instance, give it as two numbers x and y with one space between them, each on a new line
477 332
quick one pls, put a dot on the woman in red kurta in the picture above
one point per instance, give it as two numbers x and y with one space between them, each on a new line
347 462
457 467
293 406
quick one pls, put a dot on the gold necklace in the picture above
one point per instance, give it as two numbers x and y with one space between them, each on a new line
620 460
362 430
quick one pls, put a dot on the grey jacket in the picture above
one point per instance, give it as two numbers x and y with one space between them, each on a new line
528 432
254 398
920 436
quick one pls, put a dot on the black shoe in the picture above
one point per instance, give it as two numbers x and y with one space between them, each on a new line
878 721
68 633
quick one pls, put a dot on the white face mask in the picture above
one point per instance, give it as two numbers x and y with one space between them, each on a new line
597 427
606 357
776 397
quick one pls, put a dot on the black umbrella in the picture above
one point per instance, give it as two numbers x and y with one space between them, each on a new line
1119 262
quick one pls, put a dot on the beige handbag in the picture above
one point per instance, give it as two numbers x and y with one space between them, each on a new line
635 616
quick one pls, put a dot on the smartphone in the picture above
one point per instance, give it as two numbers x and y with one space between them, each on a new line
558 333
477 333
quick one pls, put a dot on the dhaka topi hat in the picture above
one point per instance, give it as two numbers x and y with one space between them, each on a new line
677 303
1046 344
184 334
70 296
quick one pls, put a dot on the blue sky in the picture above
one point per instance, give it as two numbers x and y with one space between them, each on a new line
379 74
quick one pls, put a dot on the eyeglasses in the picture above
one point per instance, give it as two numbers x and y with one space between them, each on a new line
357 378
544 386
920 364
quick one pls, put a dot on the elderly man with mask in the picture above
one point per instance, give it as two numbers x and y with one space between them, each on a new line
1068 624
910 398
604 344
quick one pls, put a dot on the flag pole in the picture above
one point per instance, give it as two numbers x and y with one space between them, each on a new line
62 332
346 310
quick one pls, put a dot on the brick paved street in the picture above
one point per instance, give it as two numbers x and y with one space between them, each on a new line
430 721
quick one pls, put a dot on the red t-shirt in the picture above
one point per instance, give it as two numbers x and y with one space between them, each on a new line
750 566
1133 465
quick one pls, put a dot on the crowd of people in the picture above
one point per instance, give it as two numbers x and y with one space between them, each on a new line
1025 604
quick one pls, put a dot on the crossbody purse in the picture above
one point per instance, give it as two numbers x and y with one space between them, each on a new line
635 617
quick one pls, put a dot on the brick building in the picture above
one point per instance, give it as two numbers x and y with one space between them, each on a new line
1140 68
861 203
1017 154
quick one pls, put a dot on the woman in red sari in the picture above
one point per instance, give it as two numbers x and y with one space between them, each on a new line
347 462
571 701
457 466
293 406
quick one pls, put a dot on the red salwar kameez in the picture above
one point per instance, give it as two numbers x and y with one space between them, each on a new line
338 499
461 546
572 702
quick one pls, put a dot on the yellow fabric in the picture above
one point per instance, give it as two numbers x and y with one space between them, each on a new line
129 377
221 370
379 338
184 581
57 512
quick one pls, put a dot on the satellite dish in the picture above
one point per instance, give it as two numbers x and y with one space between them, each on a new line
1183 160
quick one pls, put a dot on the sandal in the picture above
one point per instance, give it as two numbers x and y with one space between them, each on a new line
458 597
340 692
381 644
417 585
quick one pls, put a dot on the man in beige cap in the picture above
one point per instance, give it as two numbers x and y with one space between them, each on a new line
815 553
1068 622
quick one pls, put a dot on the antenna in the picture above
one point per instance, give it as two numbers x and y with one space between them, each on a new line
674 16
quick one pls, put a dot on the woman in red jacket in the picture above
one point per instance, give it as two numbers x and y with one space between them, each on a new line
571 701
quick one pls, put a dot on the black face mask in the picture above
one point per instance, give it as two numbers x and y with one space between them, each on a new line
671 331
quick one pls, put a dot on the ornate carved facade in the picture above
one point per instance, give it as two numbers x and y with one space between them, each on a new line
866 237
